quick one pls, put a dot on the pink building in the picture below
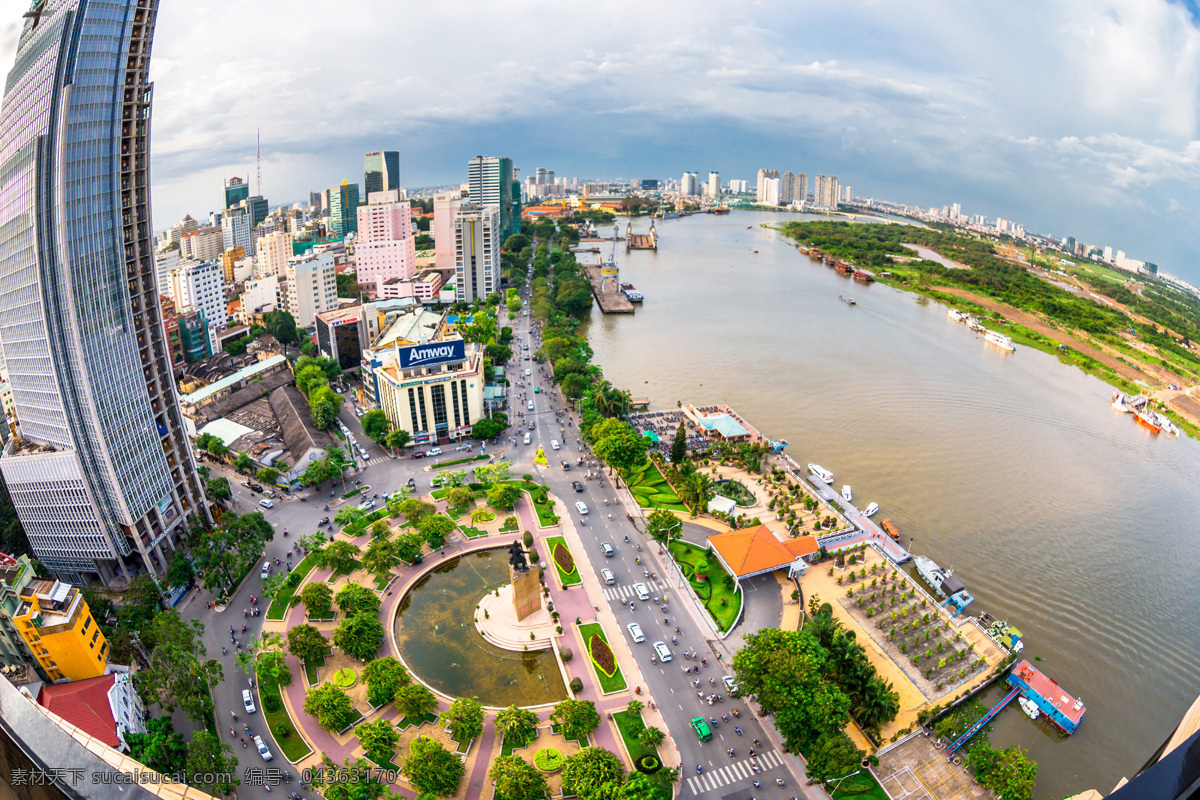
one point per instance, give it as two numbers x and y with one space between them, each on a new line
385 248
423 287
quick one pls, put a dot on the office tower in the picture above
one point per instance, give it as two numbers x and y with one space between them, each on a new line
477 251
101 474
201 286
489 182
203 244
237 230
848 194
386 247
445 210
763 176
272 253
314 201
343 209
381 172
800 188
714 185
236 190
258 208
229 260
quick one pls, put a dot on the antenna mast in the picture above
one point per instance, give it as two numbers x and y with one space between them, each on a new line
258 134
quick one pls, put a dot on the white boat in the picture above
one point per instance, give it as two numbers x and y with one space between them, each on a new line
973 323
1118 402
846 494
1029 707
822 473
1000 340
955 315
934 575
871 509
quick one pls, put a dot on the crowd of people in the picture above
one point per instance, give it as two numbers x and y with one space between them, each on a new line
664 424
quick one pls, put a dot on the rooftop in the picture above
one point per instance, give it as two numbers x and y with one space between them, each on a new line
84 704
410 328
725 425
756 550
201 395
226 430
291 409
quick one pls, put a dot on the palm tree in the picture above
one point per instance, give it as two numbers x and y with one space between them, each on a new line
702 486
610 401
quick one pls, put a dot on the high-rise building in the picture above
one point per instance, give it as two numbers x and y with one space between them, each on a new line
343 209
445 211
229 260
476 251
689 184
203 244
787 189
57 625
489 182
272 253
381 172
386 247
201 286
236 190
311 287
714 185
826 193
237 230
770 191
314 200
800 188
101 475
763 176
848 194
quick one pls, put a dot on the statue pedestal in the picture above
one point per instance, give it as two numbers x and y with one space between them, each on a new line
527 591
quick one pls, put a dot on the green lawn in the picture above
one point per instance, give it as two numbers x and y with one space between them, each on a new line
630 724
471 532
466 460
567 578
406 723
651 489
356 565
583 740
386 764
293 746
713 591
357 527
282 601
311 667
862 786
608 683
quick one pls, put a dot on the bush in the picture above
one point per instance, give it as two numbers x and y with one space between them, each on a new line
566 654
527 538
271 702
548 759
576 685
648 764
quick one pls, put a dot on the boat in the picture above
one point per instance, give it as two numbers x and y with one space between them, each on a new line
850 301
631 292
1149 419
973 323
956 315
864 276
1029 707
890 529
934 575
752 250
846 494
1061 709
1000 340
871 509
822 473
1118 402
1008 636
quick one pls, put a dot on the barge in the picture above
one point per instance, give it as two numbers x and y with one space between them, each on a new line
1061 709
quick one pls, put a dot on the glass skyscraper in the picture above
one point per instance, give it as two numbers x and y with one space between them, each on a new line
381 172
343 209
490 183
101 474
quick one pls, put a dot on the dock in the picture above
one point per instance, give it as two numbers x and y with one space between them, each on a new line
640 241
610 299
1061 709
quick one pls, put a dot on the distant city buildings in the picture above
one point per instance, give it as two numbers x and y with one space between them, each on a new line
765 175
713 189
689 185
343 208
201 286
236 190
311 287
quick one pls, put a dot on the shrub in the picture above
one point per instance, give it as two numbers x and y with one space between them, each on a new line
566 654
527 538
602 655
576 685
271 702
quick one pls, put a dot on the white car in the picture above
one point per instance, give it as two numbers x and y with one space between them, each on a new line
365 455
530 406
463 447
580 507
554 444
263 751
730 685
266 570
367 505
528 439
266 504
248 701
662 650
528 371
436 451
635 632
640 590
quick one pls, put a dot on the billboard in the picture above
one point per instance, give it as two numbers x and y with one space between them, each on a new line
428 355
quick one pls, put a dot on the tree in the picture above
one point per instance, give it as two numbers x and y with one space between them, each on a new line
486 428
212 445
651 737
316 596
309 377
272 667
464 719
340 556
832 756
1009 772
460 496
432 768
208 761
574 385
679 445
638 787
178 677
281 325
357 599
517 779
503 496
378 739
416 510
358 779
610 401
218 489
516 243
409 546
243 462
359 636
663 526
398 438
414 701
618 444
375 425
331 707
382 555
307 643
576 718
268 476
493 473
323 405
160 747
435 529
384 677
591 766
517 726
180 571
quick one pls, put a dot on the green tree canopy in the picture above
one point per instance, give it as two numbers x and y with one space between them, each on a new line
591 766
663 526
209 761
414 701
398 438
268 476
375 425
384 677
317 597
355 598
576 718
1009 772
409 546
281 325
218 489
307 643
503 496
517 779
160 748
517 726
359 635
432 768
415 510
331 707
378 739
382 555
464 719
435 529
340 556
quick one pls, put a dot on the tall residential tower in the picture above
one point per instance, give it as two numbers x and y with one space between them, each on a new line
101 473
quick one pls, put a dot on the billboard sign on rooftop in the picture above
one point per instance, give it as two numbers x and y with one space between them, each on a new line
432 354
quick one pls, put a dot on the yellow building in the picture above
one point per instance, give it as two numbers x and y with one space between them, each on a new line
57 625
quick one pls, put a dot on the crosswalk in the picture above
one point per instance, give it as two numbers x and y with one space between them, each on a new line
625 593
737 771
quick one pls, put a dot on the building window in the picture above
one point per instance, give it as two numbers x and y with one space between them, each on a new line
454 397
424 418
86 623
438 394
466 408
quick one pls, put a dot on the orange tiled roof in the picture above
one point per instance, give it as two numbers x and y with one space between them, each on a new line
756 549
84 704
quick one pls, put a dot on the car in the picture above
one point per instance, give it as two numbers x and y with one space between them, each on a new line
528 438
530 406
526 358
640 590
367 505
270 493
248 701
247 484
365 455
635 632
528 371
464 446
577 486
256 487
262 749
566 465
266 570
663 652
266 504
338 389
531 426
358 413
554 444
701 728
417 454
608 576
730 684
580 507
607 549
436 451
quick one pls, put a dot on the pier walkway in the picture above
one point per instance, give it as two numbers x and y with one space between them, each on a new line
867 531
612 300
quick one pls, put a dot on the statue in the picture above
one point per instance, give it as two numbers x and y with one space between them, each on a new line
516 557
526 583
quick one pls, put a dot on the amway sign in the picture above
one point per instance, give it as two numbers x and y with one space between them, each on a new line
427 355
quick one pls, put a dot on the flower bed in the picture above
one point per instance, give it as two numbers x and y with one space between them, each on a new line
344 678
603 658
564 562
510 524
548 759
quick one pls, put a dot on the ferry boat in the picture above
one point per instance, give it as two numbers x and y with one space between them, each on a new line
1008 636
871 509
890 529
934 575
864 276
1061 709
846 494
1029 707
1000 340
822 473
956 315
632 293
1149 419
973 323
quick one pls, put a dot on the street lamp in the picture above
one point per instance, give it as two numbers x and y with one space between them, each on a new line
839 780
667 535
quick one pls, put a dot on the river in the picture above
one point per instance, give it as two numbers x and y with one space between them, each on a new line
1061 515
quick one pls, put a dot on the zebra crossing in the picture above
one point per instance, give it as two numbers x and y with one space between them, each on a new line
625 593
737 771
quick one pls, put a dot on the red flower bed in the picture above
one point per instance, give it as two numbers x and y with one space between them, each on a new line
602 655
562 557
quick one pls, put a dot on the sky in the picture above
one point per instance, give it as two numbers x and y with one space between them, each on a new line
1075 117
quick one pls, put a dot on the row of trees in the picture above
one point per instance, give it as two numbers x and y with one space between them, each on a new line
313 376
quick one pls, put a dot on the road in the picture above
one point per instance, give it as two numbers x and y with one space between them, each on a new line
723 776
